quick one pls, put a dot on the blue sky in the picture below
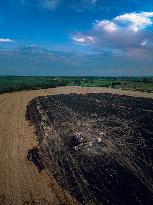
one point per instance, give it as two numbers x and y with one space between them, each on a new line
76 37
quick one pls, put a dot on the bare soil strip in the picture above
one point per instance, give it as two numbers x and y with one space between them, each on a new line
20 181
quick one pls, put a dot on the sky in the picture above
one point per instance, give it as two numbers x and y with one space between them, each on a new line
76 37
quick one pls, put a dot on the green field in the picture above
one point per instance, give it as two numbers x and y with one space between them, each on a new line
14 83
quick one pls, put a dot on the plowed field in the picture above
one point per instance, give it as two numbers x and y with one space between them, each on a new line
20 180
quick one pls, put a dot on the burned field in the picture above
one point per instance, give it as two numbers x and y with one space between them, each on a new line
99 147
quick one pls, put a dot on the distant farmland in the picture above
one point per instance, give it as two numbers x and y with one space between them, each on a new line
10 84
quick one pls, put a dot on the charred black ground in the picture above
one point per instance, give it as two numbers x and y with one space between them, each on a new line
97 146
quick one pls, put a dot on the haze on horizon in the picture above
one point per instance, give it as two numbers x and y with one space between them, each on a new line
76 37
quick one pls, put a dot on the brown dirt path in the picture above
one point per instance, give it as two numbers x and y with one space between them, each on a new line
20 181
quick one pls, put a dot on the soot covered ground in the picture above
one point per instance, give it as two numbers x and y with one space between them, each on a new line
98 146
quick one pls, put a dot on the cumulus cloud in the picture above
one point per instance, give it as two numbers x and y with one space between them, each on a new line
106 25
6 40
129 32
135 21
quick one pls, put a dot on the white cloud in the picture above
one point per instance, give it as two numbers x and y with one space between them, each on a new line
144 42
128 32
106 25
83 39
129 21
135 21
6 40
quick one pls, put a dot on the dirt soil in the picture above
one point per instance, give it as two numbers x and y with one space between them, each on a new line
20 180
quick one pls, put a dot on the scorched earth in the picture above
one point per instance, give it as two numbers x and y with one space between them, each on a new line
98 147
